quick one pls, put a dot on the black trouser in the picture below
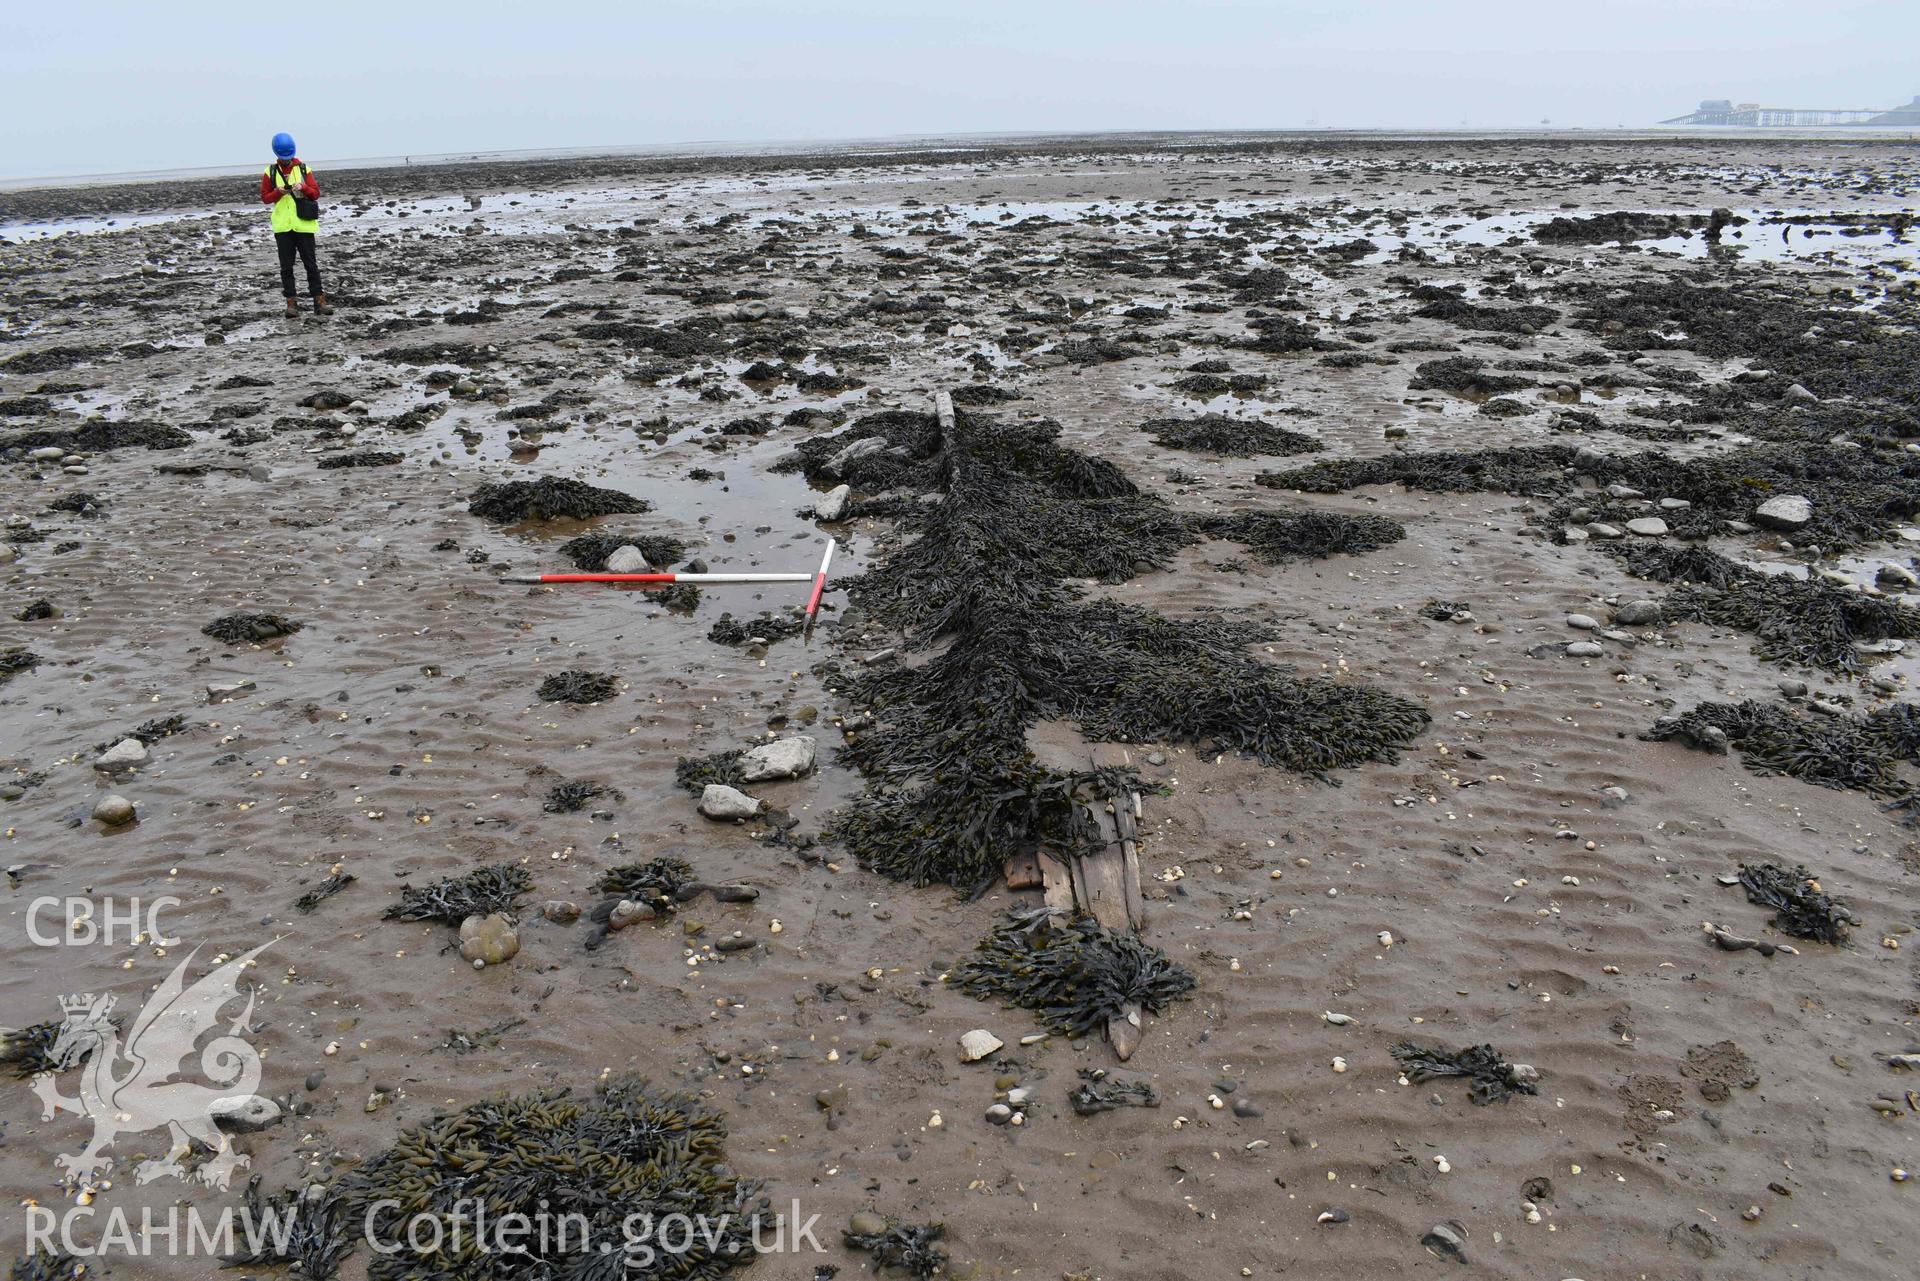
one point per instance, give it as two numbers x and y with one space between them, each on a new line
301 242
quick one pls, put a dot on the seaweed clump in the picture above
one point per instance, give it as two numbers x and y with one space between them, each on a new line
574 686
307 1229
15 660
1523 469
600 1166
589 552
1620 225
324 890
550 498
1799 905
572 797
496 887
149 732
1793 620
955 790
910 1247
695 772
769 627
1275 537
1227 436
1842 752
1100 1091
1857 495
98 437
1464 376
662 877
242 629
47 1265
28 1051
1490 1078
906 456
1505 320
361 458
1075 974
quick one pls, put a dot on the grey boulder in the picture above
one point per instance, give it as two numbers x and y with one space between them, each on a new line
783 758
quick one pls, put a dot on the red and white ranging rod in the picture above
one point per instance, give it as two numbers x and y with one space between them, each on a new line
818 579
658 580
819 582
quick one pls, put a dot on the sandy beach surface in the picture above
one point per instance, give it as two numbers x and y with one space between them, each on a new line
1528 873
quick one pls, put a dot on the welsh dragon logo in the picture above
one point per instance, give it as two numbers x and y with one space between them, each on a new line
130 1088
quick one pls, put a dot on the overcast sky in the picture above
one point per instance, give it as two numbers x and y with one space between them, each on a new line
110 87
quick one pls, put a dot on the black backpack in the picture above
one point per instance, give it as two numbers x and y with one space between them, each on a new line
304 207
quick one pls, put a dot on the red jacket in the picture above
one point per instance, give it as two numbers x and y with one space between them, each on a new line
270 192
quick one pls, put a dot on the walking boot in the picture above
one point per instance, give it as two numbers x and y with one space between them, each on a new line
293 306
321 307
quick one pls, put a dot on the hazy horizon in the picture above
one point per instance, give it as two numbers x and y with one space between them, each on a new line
143 88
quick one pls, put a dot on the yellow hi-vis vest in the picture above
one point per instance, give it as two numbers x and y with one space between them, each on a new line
285 218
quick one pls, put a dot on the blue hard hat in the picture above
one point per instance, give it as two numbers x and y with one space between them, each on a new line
283 145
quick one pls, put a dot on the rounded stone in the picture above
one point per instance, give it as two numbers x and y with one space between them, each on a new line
114 810
489 940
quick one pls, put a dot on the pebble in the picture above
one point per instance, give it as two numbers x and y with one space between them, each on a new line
1896 574
488 940
1583 622
783 758
221 691
1338 1020
832 505
1637 613
627 559
1339 1064
1647 527
125 754
1603 531
1585 649
628 912
244 1113
560 911
114 810
719 801
866 1223
853 453
1247 1108
1786 513
999 1114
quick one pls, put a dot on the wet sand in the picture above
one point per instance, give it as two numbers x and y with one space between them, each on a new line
398 737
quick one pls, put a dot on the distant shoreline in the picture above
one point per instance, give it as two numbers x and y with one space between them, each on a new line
215 188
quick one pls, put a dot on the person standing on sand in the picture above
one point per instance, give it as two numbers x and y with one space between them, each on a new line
288 186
